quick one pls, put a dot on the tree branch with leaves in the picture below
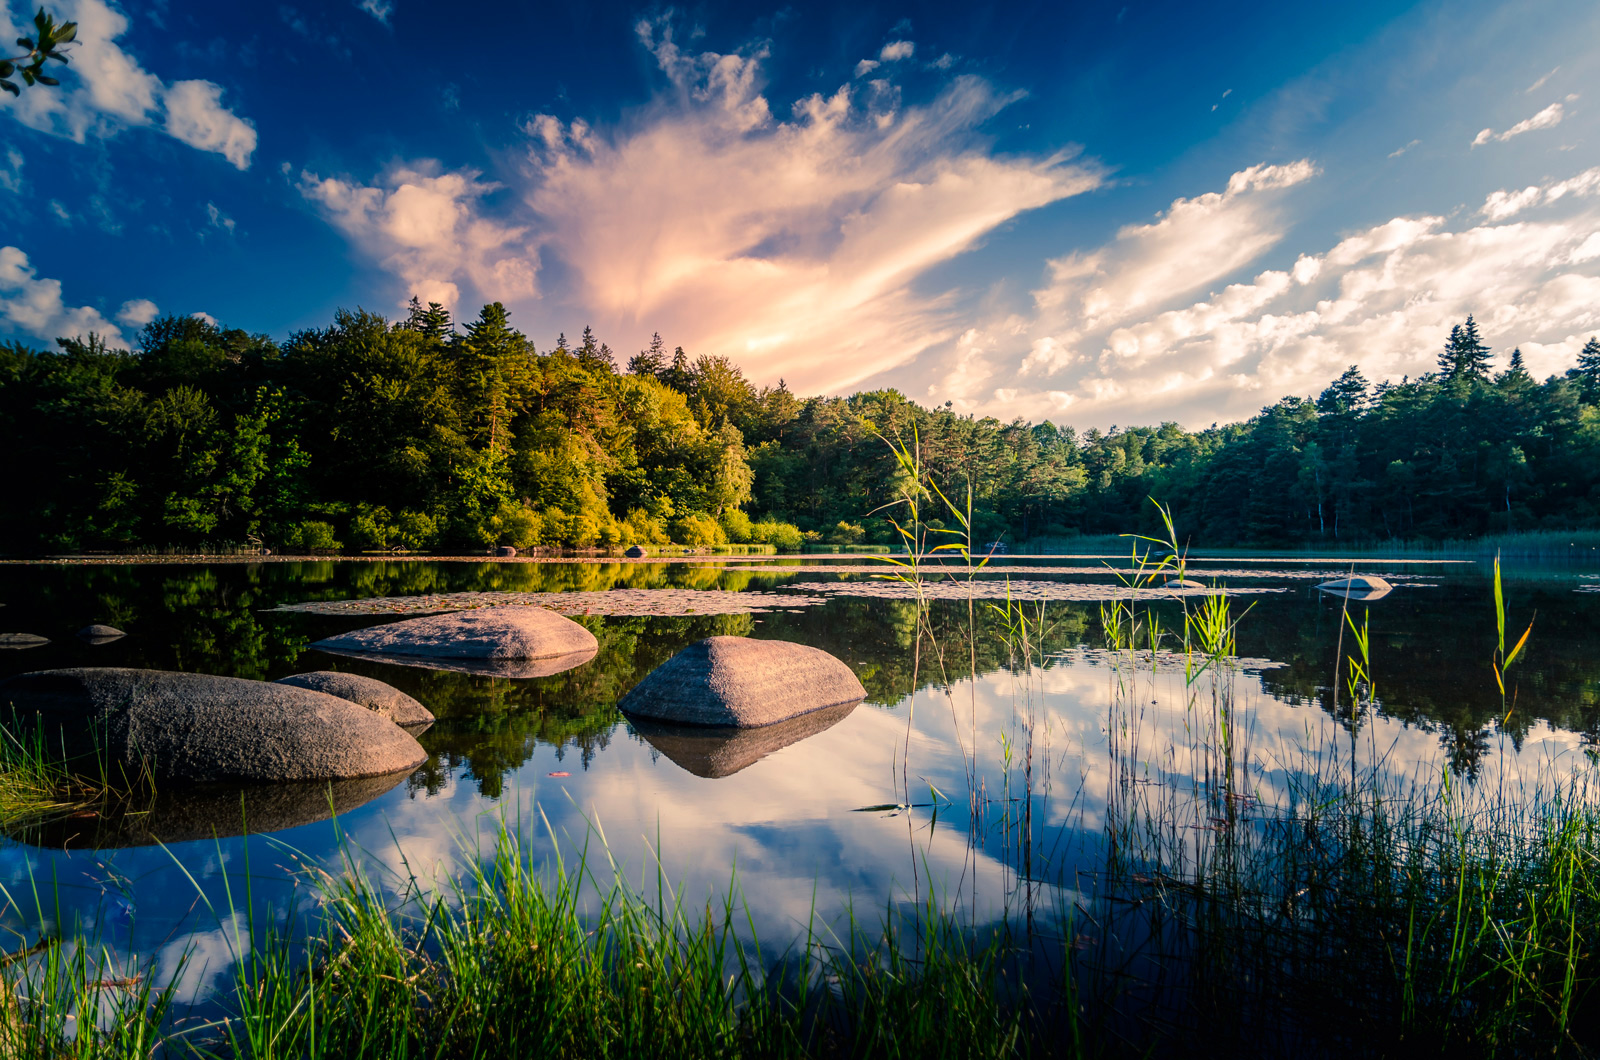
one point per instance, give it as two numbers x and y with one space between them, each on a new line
44 45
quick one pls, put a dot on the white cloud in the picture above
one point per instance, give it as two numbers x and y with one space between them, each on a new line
378 9
894 51
60 212
1383 297
137 312
1548 118
11 172
196 116
33 305
866 66
1196 242
205 317
1537 85
1503 204
219 220
792 244
423 225
105 89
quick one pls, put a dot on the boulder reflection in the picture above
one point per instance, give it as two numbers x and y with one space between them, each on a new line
180 814
514 668
714 752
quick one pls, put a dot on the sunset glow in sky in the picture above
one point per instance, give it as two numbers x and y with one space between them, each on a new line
1097 214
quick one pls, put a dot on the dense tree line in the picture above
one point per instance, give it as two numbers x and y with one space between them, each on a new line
419 434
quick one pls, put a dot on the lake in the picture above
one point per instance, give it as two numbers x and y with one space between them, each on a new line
987 775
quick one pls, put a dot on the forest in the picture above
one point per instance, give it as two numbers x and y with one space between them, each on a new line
421 434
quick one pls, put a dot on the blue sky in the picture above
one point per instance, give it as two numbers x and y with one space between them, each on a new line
1098 214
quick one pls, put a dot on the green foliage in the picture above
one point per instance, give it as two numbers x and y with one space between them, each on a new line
208 433
46 43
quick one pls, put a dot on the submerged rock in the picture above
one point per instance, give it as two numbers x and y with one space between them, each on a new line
736 682
98 634
1363 588
714 752
1362 582
22 640
366 692
181 813
635 552
197 727
1183 583
489 641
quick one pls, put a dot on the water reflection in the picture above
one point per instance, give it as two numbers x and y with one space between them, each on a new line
520 669
1040 743
712 751
211 811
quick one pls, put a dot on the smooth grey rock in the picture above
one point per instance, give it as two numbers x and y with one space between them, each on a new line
1183 583
635 552
1363 582
505 550
366 692
736 682
197 727
189 812
493 635
98 634
714 752
22 640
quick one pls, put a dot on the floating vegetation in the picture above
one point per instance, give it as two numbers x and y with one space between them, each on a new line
1019 590
608 602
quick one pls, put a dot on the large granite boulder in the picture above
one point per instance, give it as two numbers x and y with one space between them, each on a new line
635 552
366 692
714 752
500 642
100 634
198 728
736 682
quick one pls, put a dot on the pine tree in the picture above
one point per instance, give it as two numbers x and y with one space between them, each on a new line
494 365
651 361
1348 393
434 321
1465 356
593 354
1589 371
678 377
1517 370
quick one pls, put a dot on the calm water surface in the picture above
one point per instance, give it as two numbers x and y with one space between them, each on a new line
991 786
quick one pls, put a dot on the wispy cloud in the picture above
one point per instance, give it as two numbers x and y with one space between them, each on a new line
107 90
1548 118
215 218
378 9
1383 297
795 244
896 50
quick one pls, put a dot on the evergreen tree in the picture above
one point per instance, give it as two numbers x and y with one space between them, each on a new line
1517 370
434 321
1465 355
1589 371
651 361
678 376
593 354
1346 394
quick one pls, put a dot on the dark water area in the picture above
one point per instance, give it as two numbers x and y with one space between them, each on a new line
860 809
